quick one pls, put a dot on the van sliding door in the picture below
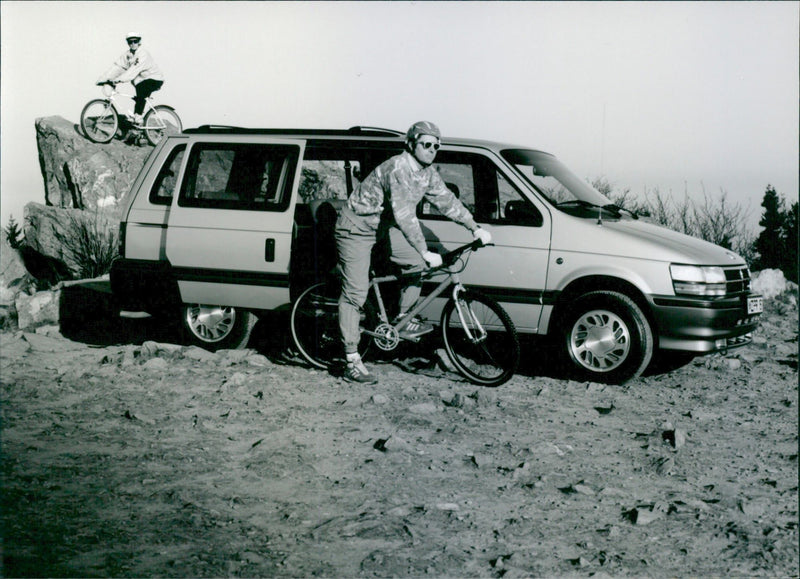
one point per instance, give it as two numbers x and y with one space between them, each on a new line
230 227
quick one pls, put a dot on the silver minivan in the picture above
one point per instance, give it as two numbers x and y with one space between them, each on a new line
223 223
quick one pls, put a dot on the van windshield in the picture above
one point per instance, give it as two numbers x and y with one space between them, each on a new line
560 186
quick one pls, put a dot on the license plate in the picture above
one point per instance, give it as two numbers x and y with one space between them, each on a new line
755 305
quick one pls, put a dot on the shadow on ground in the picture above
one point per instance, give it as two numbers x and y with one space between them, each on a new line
90 315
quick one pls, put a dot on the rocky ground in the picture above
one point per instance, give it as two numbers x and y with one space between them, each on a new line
124 455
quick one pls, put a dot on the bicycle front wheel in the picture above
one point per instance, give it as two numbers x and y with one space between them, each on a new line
159 121
99 121
315 325
480 339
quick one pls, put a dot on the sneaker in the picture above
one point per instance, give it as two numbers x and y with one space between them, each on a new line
138 119
357 372
415 328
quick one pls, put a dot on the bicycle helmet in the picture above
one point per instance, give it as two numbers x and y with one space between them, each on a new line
135 35
423 128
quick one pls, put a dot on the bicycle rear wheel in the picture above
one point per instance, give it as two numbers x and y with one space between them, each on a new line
315 325
99 121
481 340
159 121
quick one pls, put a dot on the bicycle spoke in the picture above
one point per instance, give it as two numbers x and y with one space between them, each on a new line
159 121
488 358
315 326
99 121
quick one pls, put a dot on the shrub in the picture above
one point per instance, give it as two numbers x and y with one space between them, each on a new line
791 239
13 233
89 244
712 219
777 243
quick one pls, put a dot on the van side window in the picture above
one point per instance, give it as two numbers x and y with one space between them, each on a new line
251 177
167 179
459 178
483 189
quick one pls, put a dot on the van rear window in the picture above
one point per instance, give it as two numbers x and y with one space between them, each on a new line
252 177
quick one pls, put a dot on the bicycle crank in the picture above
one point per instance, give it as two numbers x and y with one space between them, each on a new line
384 336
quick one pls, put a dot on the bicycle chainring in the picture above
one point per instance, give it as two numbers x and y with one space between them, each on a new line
387 337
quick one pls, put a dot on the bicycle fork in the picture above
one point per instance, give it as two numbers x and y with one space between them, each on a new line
469 322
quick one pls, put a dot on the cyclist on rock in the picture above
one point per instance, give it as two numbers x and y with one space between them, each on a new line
391 192
137 67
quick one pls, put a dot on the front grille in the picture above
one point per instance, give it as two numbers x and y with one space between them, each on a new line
737 280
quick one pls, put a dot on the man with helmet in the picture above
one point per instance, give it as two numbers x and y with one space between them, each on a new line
137 67
388 197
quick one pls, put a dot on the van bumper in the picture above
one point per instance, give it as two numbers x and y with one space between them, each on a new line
702 325
144 285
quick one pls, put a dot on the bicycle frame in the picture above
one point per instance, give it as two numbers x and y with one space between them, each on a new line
453 279
477 335
112 95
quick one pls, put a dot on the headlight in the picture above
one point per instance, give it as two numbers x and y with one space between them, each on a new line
694 280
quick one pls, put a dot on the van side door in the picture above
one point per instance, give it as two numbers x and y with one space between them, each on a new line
230 226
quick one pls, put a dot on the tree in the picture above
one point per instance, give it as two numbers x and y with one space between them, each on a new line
13 233
771 243
790 239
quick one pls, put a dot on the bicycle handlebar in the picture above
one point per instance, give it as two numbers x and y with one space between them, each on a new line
451 257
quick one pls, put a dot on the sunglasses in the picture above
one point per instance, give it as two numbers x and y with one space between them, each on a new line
428 144
134 41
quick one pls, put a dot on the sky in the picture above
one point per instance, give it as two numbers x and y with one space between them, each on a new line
684 97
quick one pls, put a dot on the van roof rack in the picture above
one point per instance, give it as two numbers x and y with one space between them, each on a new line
357 130
360 129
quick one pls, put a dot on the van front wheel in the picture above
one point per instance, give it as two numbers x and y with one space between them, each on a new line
217 327
606 337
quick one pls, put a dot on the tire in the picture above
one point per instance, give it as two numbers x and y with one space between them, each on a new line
99 121
159 121
492 361
605 337
315 326
217 327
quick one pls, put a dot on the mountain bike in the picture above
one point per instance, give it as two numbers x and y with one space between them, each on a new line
101 120
478 335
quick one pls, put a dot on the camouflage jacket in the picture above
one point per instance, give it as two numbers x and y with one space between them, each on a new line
395 188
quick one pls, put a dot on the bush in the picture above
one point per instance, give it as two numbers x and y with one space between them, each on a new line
13 233
777 243
713 219
89 244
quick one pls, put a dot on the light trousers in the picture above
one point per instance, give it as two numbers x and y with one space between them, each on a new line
355 238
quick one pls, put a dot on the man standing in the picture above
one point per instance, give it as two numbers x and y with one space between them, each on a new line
392 192
138 67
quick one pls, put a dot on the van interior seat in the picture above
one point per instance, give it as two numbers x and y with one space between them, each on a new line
323 210
303 216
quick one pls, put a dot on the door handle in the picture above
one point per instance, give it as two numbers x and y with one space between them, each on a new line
269 250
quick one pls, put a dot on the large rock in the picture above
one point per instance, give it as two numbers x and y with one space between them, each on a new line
14 277
770 283
39 309
61 241
85 175
14 281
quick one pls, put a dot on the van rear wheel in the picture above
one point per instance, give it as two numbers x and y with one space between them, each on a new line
217 327
605 337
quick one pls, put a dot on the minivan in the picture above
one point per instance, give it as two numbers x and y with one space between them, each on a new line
225 223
